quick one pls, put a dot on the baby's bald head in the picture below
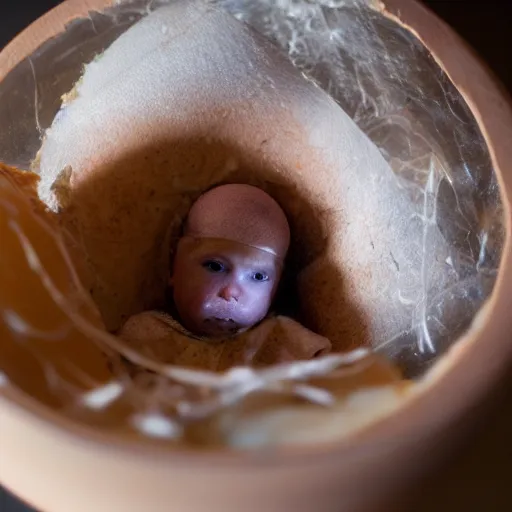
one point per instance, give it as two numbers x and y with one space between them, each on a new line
243 214
229 262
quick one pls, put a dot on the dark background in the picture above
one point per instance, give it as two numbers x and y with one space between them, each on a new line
480 479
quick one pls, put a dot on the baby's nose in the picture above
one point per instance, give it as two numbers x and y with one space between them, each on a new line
230 292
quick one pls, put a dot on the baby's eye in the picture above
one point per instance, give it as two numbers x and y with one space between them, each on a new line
260 276
214 266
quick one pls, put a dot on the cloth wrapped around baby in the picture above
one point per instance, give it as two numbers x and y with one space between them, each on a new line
188 99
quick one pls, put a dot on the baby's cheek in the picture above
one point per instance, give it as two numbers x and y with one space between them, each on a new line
195 301
199 294
188 297
267 294
259 306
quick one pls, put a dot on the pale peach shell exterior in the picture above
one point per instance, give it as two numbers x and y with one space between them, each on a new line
82 467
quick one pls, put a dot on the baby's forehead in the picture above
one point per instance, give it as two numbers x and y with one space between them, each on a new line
240 213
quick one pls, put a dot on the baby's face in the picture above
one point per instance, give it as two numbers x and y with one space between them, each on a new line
222 287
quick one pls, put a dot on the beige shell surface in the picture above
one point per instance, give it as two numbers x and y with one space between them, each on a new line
79 463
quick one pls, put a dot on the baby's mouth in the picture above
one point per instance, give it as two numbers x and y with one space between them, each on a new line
223 325
224 320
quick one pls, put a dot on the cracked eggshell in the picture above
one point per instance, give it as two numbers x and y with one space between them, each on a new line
131 477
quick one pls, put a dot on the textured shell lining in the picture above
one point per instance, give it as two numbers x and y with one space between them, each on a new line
399 97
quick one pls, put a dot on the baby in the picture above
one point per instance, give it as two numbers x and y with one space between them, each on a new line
229 262
224 278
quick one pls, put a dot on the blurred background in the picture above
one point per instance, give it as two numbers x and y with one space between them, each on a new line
477 478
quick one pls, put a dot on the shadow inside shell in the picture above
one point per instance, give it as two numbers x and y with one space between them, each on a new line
128 216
